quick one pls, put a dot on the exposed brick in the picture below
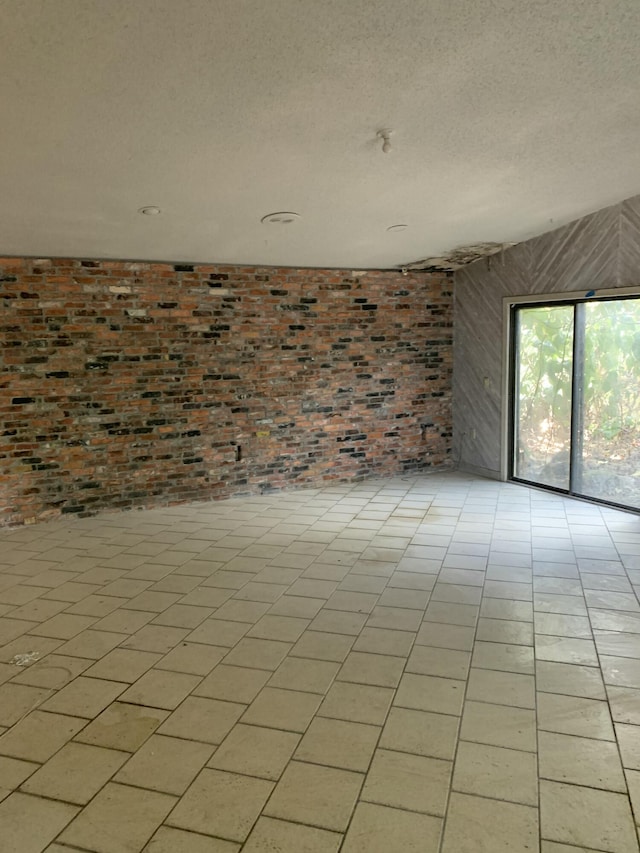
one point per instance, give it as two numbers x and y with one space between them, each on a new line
140 384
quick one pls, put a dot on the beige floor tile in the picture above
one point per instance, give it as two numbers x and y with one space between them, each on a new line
260 654
504 657
420 733
625 704
620 671
267 592
169 840
569 605
192 658
629 742
207 720
38 610
271 835
356 602
296 605
39 735
275 573
499 608
446 636
289 710
323 796
84 697
91 644
560 625
122 726
413 599
395 618
124 621
377 670
412 580
125 588
13 771
183 616
120 819
206 596
580 761
358 703
570 679
311 676
182 583
323 646
222 804
255 751
554 847
633 784
587 817
285 628
123 665
499 725
76 773
479 825
617 645
446 663
412 782
428 693
241 611
458 593
312 588
452 613
323 573
96 605
165 764
16 700
572 715
52 671
338 622
384 642
378 829
28 824
566 650
502 688
466 577
64 626
160 638
492 771
338 743
362 583
233 683
160 689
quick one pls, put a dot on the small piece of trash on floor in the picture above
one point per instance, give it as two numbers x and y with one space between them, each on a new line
25 659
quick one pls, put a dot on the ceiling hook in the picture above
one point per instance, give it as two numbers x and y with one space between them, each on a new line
385 136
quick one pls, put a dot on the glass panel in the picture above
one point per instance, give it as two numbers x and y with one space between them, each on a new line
544 360
610 435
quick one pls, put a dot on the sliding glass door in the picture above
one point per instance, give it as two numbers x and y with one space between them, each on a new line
576 398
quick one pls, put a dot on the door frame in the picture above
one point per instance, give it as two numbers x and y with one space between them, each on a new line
509 361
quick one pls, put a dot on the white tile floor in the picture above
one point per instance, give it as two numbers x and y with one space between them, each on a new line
438 664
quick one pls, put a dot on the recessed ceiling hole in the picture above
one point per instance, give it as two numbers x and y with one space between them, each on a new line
281 217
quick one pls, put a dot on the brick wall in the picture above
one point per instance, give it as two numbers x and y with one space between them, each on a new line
135 384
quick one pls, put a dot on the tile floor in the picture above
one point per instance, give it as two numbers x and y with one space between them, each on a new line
438 664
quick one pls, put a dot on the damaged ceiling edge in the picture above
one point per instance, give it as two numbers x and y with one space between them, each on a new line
458 258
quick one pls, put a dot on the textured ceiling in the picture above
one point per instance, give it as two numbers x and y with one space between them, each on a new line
510 117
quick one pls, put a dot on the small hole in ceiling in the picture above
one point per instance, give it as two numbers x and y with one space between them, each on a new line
281 217
150 211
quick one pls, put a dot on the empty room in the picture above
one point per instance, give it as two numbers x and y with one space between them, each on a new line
319 426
